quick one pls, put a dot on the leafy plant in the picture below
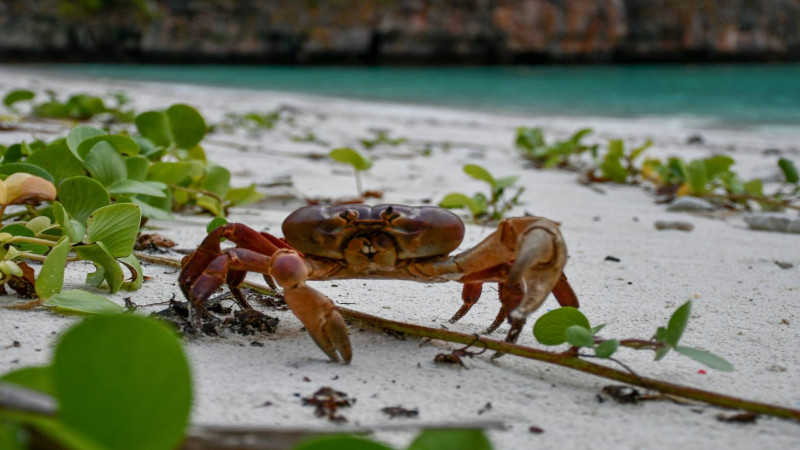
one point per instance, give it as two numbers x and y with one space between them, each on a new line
113 377
569 325
356 160
380 137
483 207
76 107
618 165
531 143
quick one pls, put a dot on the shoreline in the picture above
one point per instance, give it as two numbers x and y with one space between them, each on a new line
741 295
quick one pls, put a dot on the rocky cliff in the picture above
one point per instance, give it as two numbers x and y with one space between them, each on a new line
399 31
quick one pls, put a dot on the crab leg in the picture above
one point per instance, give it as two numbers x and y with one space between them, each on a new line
316 311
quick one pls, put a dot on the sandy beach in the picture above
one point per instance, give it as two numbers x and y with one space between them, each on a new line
746 306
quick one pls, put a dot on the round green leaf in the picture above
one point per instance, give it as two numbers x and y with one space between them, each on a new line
340 443
187 125
347 155
451 440
121 144
80 134
154 126
170 172
12 168
81 196
215 223
137 167
217 180
57 160
606 348
105 164
479 173
124 382
133 187
77 301
51 277
71 228
579 336
116 227
551 328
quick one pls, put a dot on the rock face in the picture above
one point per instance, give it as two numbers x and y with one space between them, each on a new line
399 31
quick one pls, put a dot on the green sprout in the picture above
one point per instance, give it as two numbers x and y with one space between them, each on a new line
359 162
483 207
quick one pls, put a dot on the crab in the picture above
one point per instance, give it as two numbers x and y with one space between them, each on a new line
525 256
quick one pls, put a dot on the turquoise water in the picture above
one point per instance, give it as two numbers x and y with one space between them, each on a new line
720 95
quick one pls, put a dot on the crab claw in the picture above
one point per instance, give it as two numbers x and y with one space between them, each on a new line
537 269
316 311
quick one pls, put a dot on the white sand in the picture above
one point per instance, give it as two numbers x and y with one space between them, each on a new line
747 308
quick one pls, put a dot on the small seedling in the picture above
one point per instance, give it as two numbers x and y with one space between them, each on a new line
617 165
531 142
569 325
381 138
483 207
359 162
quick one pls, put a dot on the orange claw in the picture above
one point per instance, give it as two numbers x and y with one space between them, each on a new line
316 311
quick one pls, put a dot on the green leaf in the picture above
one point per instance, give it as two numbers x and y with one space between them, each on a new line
124 382
170 172
677 324
38 378
696 176
80 134
708 359
18 229
606 348
187 126
243 196
754 187
717 165
18 95
152 211
133 187
116 227
11 168
340 443
789 170
10 437
612 167
57 160
137 276
215 223
99 254
451 440
74 230
154 126
502 183
636 152
105 164
137 167
551 328
51 277
479 173
64 436
456 200
217 180
81 196
579 336
123 145
347 155
210 204
77 301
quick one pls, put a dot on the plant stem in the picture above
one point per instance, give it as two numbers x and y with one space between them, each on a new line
31 240
358 182
564 359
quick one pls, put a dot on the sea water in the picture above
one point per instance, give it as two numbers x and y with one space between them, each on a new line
758 95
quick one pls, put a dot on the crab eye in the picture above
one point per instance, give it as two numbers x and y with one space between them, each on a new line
388 215
348 215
